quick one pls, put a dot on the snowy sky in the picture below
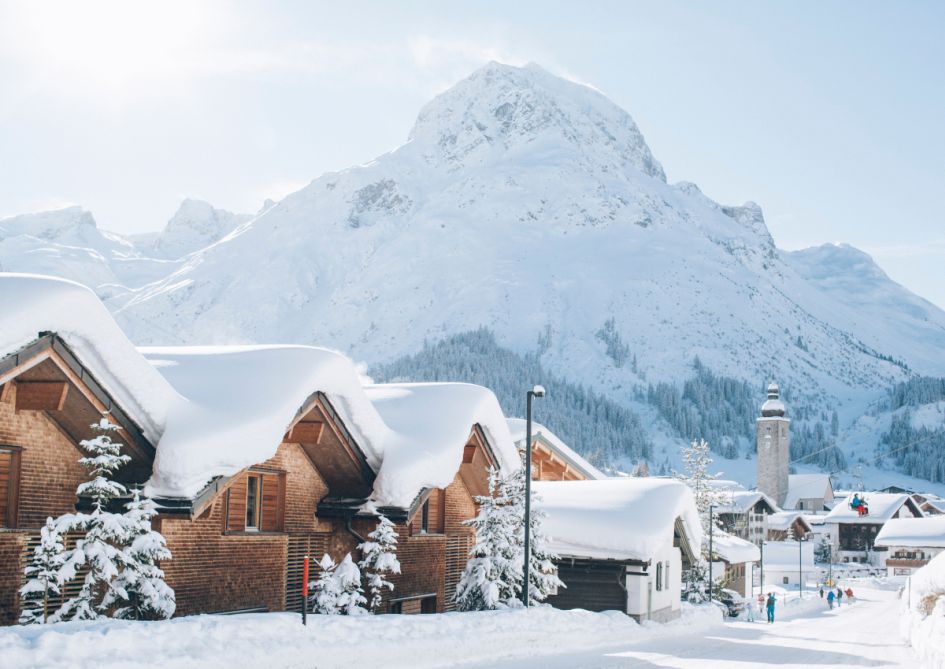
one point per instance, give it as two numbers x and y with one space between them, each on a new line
827 114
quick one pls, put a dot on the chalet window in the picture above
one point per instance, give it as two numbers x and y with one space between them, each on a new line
425 517
253 498
256 502
659 576
397 607
666 577
785 580
9 485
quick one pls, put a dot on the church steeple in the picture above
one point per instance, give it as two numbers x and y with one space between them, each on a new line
774 446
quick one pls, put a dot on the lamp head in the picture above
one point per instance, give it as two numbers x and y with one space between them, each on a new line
538 391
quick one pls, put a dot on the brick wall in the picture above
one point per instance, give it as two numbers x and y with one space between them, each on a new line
49 475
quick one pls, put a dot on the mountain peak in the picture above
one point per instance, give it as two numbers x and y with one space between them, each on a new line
503 109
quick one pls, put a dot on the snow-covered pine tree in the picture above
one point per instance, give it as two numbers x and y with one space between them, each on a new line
148 595
822 551
696 460
42 572
493 575
105 533
380 559
348 584
325 591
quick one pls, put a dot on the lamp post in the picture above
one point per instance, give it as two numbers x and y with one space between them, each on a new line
711 513
761 584
537 391
800 568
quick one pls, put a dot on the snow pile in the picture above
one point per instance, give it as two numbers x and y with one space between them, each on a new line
430 424
236 403
923 623
620 519
279 640
917 532
517 426
34 304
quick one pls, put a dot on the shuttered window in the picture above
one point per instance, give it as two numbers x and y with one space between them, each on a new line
9 484
256 502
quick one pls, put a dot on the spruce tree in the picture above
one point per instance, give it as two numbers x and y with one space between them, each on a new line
43 574
380 558
347 578
105 533
147 595
325 592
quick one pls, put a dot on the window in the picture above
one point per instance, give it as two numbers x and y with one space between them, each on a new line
428 605
666 576
785 580
9 485
425 517
253 497
659 576
255 502
396 607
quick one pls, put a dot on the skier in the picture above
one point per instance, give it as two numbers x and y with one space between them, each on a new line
830 598
839 596
770 605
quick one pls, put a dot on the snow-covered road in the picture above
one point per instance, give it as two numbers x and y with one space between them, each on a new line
863 634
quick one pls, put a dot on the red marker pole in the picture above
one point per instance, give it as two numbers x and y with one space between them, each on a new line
304 588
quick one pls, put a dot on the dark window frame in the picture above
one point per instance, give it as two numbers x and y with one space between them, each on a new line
10 518
254 510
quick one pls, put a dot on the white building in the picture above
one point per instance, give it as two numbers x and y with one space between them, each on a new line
787 563
622 543
911 543
853 536
733 560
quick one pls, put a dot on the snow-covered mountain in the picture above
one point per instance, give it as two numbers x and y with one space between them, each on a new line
532 206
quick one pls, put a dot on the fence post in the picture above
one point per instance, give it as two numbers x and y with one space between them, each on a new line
304 589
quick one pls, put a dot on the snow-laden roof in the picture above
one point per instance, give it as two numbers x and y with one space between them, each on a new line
882 506
236 402
740 501
783 555
430 425
30 304
617 518
517 429
806 486
917 532
732 549
782 520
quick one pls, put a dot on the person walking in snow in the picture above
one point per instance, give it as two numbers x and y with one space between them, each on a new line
821 592
849 593
830 598
770 605
750 610
839 596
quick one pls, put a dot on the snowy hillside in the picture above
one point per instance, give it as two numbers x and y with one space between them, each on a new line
531 206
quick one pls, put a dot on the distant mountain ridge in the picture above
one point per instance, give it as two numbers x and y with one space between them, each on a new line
531 206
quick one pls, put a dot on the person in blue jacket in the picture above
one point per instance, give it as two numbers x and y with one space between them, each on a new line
769 604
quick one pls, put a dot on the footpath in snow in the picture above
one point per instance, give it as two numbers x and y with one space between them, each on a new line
805 634
279 641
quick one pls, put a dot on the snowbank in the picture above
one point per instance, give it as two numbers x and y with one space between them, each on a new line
237 403
923 621
517 426
278 640
431 423
621 519
34 304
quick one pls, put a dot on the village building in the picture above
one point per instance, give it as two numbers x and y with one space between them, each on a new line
809 492
853 536
745 513
552 459
623 543
931 505
788 525
733 560
256 456
789 563
911 542
773 441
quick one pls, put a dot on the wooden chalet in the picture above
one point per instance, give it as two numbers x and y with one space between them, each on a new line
853 536
552 459
623 543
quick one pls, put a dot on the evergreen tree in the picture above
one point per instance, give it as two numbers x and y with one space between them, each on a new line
380 558
43 574
493 575
822 551
347 579
147 595
325 591
105 533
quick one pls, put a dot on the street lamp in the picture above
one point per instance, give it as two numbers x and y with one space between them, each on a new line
800 569
711 513
537 391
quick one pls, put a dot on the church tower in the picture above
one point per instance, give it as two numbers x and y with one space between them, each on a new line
773 432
